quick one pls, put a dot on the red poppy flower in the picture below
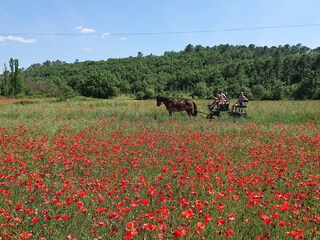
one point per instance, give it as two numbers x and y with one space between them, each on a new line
28 211
188 214
126 209
207 218
25 235
220 221
35 219
201 226
19 207
231 217
228 233
282 223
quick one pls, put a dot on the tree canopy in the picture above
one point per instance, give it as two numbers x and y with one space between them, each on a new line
261 72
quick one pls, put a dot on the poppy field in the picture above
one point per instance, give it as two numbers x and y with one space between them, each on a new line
126 170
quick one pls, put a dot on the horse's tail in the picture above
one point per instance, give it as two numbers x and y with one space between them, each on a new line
195 109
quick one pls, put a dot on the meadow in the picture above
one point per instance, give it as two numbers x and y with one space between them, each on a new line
123 169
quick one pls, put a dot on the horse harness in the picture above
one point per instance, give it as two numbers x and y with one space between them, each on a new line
173 104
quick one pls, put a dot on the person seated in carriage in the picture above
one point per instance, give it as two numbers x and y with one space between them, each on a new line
213 105
218 102
222 100
240 103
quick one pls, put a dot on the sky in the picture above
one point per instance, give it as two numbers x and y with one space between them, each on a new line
34 31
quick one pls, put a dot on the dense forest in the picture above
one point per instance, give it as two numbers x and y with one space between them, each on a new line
263 73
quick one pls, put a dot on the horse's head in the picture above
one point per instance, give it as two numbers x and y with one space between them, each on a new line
159 100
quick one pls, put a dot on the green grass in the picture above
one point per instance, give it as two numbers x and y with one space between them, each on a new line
77 113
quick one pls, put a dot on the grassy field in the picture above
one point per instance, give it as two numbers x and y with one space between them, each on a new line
123 169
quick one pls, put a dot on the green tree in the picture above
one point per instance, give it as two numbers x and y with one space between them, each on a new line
201 90
277 90
16 83
281 71
4 86
189 48
258 92
308 88
100 85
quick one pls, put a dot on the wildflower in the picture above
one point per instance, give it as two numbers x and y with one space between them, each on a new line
180 232
267 220
201 226
282 223
284 207
19 207
101 210
198 205
231 217
221 206
220 221
228 233
298 234
35 219
144 201
207 218
149 227
25 235
188 214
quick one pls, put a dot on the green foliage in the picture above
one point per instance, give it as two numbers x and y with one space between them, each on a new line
11 82
258 92
16 83
309 87
99 85
266 73
201 90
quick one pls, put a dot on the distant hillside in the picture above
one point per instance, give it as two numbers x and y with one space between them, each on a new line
262 72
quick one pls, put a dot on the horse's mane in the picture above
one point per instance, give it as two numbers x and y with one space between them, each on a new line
165 98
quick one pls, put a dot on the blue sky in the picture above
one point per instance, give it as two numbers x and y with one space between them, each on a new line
34 31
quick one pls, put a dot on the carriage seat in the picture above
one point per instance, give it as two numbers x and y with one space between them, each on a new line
241 108
224 107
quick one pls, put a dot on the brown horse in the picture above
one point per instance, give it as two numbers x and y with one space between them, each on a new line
178 105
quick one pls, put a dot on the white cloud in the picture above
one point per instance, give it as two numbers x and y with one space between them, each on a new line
2 39
87 49
17 39
104 34
123 38
85 30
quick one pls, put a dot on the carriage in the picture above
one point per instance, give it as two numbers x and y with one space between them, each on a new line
240 110
215 111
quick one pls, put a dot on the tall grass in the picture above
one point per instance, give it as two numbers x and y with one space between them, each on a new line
49 117
264 112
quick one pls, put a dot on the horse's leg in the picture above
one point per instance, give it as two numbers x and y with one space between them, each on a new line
189 109
192 110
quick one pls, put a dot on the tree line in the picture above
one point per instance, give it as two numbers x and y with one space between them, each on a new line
11 80
263 73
